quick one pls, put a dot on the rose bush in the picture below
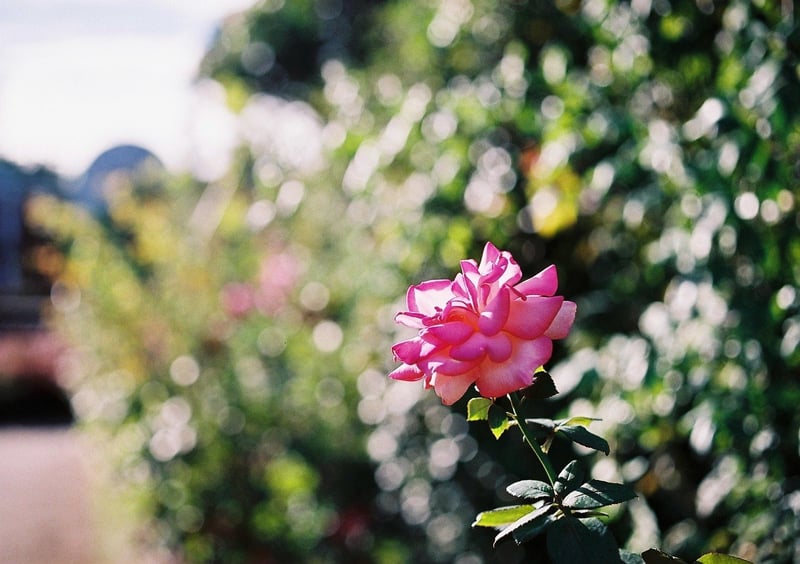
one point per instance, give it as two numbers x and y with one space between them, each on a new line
485 327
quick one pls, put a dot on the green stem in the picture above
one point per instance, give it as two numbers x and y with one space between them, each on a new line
532 442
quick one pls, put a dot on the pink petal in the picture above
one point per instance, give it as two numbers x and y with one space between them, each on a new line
442 363
499 348
460 287
489 256
499 379
473 348
468 280
492 272
498 266
407 373
456 310
502 268
530 318
496 313
412 350
451 332
511 273
485 295
562 324
429 297
451 388
410 319
470 268
543 284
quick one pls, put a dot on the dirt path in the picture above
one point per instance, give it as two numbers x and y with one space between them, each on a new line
45 504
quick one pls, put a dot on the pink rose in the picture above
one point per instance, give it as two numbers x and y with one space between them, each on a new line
485 327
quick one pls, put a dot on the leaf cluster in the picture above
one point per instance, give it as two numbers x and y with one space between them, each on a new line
567 512
573 429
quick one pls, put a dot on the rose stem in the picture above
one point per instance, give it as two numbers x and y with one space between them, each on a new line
537 450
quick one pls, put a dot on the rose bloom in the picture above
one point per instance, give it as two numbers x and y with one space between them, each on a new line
485 328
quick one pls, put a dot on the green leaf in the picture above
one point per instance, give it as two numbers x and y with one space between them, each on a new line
546 425
498 420
535 526
571 541
542 387
597 493
541 428
717 558
502 515
569 478
587 513
531 525
579 420
583 436
653 556
573 428
478 409
530 489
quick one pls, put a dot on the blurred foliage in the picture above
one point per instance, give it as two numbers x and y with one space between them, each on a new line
234 342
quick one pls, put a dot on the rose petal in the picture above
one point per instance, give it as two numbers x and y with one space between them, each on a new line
543 284
498 266
496 313
451 388
489 256
460 288
456 311
473 348
410 319
429 297
443 363
451 333
499 348
530 318
492 271
468 280
412 350
497 380
470 269
407 373
511 273
486 293
563 321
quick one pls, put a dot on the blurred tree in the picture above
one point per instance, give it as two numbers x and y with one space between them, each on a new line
279 46
650 150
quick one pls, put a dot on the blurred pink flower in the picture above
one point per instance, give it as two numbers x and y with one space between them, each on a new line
276 279
485 328
237 299
277 276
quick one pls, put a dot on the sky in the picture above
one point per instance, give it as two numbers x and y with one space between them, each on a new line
80 76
